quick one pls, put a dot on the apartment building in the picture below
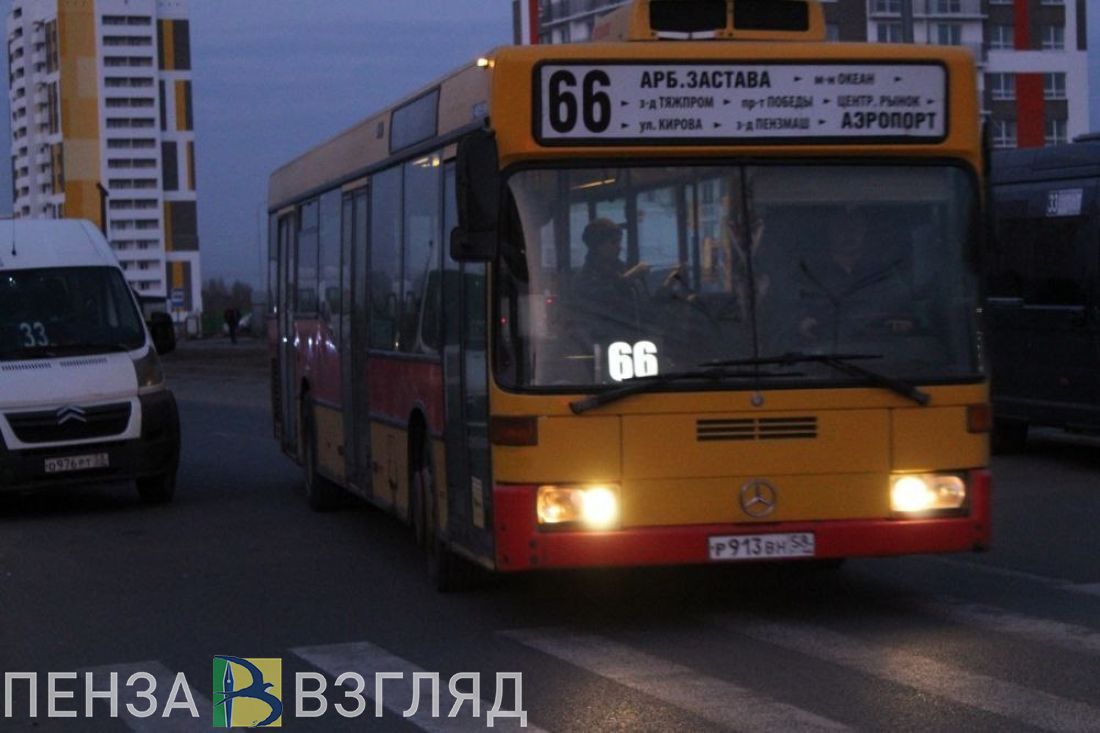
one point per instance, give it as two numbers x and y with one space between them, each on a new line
1032 55
102 129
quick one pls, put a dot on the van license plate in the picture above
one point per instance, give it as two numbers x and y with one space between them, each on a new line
77 463
762 546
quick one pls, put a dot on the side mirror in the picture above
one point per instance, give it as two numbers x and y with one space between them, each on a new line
477 186
163 332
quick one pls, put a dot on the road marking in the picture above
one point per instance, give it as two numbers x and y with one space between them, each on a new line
712 699
397 694
1033 707
180 720
1056 583
1068 636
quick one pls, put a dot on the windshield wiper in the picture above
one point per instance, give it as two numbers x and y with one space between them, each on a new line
656 382
842 363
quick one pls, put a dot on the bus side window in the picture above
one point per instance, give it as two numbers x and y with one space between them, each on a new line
307 259
385 266
421 247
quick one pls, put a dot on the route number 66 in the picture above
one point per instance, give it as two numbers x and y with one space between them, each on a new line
626 362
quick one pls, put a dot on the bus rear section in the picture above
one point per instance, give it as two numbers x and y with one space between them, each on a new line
1042 271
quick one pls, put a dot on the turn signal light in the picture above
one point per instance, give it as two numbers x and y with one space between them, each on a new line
979 418
517 431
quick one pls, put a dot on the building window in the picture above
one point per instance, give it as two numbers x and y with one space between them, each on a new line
886 6
1002 36
1054 86
888 33
1002 87
1054 37
948 34
1004 133
1056 132
946 6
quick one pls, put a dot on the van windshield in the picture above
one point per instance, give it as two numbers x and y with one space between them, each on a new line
61 311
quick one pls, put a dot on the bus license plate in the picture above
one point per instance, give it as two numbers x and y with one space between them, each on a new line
762 546
77 463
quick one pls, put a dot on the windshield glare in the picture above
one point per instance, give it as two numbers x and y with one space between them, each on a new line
66 309
616 273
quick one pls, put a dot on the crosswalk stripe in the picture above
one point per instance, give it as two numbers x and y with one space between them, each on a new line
712 699
367 660
1068 636
1060 584
180 720
1023 704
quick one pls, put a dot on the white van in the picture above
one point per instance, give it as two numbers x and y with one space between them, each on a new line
82 395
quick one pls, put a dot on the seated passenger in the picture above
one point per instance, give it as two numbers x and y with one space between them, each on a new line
849 291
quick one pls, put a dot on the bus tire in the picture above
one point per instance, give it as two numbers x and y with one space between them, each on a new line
322 495
157 489
447 572
1009 436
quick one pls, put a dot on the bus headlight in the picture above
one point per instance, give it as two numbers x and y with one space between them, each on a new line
918 493
594 507
150 377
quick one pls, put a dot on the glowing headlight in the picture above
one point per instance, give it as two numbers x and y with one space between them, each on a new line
596 507
926 492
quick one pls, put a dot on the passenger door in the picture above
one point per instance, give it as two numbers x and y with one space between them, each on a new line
288 267
466 393
354 367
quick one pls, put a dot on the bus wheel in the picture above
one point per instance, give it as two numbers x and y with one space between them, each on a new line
1009 436
321 494
447 572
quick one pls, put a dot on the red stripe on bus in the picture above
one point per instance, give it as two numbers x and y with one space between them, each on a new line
521 546
397 386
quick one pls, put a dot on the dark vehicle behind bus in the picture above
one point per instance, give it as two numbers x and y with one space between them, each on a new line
1043 306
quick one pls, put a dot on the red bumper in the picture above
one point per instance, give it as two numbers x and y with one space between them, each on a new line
521 546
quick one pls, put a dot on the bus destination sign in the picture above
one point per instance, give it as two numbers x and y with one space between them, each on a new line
835 103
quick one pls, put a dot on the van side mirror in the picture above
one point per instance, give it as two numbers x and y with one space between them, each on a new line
477 186
163 332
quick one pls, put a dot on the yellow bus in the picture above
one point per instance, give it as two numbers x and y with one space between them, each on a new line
701 291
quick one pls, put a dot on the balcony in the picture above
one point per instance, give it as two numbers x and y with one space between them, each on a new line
921 9
948 9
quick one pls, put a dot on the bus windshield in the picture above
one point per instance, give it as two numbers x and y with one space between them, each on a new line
614 273
61 311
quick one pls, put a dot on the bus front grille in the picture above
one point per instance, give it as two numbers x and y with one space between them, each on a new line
764 428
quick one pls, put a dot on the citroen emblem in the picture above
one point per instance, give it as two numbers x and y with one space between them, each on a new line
758 498
70 412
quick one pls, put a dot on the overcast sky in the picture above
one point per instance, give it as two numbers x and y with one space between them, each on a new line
275 77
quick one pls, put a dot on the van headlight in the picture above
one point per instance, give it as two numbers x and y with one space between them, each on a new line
592 507
922 493
150 377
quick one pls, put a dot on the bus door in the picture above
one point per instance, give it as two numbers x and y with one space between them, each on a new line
288 267
357 451
466 394
1043 301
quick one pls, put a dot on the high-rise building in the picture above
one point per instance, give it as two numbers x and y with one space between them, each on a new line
102 129
1032 55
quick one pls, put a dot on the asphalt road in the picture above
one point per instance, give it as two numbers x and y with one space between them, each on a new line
91 579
